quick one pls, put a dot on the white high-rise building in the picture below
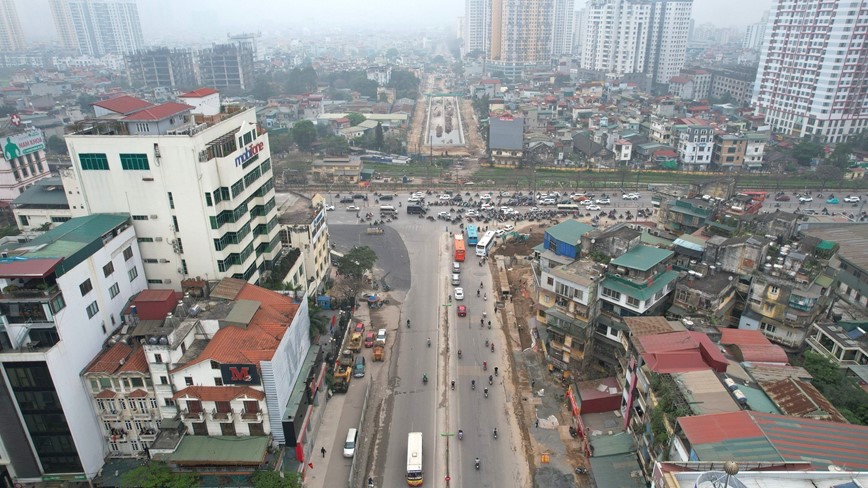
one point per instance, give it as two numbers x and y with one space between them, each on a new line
198 183
636 36
562 28
100 26
477 26
615 36
578 32
11 35
755 34
811 80
667 38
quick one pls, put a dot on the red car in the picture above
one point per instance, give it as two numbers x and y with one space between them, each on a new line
360 327
462 311
369 339
782 198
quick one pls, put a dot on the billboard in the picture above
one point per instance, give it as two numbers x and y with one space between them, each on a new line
239 374
21 144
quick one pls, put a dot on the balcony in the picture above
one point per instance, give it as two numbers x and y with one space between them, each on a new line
117 435
111 415
147 435
40 292
146 414
247 416
192 416
222 416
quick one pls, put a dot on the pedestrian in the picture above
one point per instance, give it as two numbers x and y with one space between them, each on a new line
532 383
537 423
322 450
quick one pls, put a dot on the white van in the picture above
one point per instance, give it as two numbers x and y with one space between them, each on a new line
387 209
350 443
456 279
456 268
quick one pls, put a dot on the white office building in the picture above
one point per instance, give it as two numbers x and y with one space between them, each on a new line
562 28
23 162
63 296
755 34
101 26
477 26
633 36
200 188
811 80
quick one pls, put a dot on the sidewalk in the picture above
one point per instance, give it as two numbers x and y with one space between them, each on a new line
328 432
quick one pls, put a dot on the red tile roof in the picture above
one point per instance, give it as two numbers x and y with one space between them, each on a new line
139 393
158 112
119 358
679 79
219 393
155 304
106 394
260 339
137 362
753 346
703 429
123 104
28 268
199 93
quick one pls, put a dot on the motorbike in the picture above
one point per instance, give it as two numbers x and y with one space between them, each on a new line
429 342
490 380
485 297
495 370
460 435
473 385
486 392
495 434
459 354
492 347
408 323
425 378
477 464
453 384
581 470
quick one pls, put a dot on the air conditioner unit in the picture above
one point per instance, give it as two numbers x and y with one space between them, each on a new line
164 260
167 281
153 217
180 270
158 239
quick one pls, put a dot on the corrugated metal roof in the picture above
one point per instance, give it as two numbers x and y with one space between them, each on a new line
801 399
617 470
220 451
22 267
642 257
641 293
569 231
47 191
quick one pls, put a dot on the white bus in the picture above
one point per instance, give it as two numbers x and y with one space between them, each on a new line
484 244
414 459
570 207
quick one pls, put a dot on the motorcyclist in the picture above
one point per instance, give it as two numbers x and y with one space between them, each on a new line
408 323
460 434
425 377
490 379
477 463
480 285
486 392
459 354
485 297
495 369
473 384
429 342
495 432
492 347
453 384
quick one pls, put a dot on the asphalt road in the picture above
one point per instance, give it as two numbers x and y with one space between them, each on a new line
434 409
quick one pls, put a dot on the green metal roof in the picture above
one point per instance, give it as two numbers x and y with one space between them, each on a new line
220 450
47 191
642 257
648 238
570 231
758 400
642 293
74 240
616 470
608 445
747 449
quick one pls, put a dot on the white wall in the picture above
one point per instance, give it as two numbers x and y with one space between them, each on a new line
207 105
82 338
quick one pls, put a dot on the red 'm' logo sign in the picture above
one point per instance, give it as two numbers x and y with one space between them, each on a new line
240 374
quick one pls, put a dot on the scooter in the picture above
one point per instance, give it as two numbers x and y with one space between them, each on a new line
495 434
460 435
581 470
425 378
490 380
486 392
477 464
492 347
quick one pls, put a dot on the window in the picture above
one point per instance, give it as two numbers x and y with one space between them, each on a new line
114 290
171 201
550 281
133 273
170 402
57 303
608 292
108 269
164 380
215 365
135 162
180 245
145 239
218 381
634 302
137 382
207 200
175 222
60 220
188 381
85 287
155 282
92 309
158 358
140 217
150 260
237 188
93 161
128 253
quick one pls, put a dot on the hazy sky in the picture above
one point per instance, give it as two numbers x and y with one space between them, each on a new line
212 19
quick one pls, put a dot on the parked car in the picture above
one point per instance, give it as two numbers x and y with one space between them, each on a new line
508 227
359 367
370 337
853 199
381 336
385 197
806 199
352 208
499 232
462 311
782 198
329 208
594 207
347 200
459 293
360 327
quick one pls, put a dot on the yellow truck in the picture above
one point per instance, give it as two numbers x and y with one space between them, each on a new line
356 342
343 371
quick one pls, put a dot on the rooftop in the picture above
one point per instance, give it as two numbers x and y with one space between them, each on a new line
752 346
704 392
852 239
119 358
642 258
158 112
650 325
197 450
627 287
47 192
801 399
506 133
678 352
199 93
569 231
762 477
297 209
123 104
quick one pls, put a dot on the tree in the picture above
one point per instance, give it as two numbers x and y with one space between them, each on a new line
805 151
355 118
56 145
158 475
826 173
262 89
304 135
272 479
319 324
280 141
84 102
843 391
378 136
335 146
301 80
357 262
405 83
392 54
840 156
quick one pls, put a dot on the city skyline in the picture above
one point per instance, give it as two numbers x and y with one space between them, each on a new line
163 20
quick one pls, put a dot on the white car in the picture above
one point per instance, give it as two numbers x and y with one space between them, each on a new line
587 202
471 213
630 196
444 215
806 199
852 199
485 197
534 209
499 232
329 208
445 197
602 201
594 207
459 293
508 227
485 206
505 209
353 208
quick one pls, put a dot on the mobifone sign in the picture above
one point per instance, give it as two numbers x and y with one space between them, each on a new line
239 374
251 151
